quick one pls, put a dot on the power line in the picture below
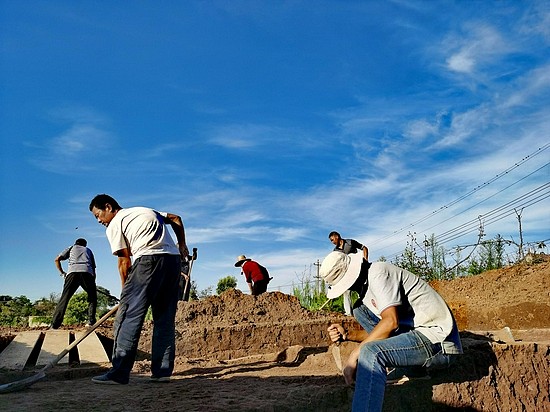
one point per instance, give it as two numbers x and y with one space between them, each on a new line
522 202
487 198
477 188
530 198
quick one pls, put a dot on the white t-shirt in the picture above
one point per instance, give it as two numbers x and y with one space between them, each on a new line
419 306
142 230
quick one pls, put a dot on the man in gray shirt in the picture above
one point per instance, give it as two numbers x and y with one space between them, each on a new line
406 324
81 272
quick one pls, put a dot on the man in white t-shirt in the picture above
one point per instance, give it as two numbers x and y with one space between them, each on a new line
150 280
405 324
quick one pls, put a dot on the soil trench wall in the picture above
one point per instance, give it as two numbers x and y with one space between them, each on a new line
518 380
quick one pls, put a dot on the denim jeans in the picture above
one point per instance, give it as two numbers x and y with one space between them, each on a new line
406 349
152 281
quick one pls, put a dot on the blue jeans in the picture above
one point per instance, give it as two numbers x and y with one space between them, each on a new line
152 281
405 349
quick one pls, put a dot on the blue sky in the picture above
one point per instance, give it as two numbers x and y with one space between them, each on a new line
268 124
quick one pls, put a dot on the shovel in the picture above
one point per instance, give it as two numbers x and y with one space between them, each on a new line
25 383
188 280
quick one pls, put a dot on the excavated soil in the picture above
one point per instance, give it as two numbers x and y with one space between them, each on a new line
236 352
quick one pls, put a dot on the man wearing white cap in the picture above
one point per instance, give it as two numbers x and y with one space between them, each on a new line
406 324
257 276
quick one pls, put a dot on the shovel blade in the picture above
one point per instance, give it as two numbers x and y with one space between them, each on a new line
22 383
337 357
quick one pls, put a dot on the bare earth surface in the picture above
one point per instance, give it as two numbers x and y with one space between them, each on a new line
236 352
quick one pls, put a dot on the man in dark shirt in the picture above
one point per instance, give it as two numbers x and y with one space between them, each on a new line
348 246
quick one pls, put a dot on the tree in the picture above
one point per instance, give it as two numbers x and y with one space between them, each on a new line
77 309
15 311
491 256
193 291
45 306
205 292
436 254
225 283
410 260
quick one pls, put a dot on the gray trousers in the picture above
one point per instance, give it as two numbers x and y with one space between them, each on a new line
152 282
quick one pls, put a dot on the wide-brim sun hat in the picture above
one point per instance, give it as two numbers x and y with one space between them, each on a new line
240 260
340 271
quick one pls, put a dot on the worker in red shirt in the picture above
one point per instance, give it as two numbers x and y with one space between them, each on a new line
255 274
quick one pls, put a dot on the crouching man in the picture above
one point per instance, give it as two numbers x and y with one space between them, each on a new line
406 324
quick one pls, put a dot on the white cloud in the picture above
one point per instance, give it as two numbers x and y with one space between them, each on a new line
73 150
418 130
239 136
478 45
461 62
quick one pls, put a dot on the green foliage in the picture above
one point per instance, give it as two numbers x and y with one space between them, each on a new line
491 256
228 282
436 259
432 265
15 311
77 309
45 306
312 295
149 314
205 292
104 299
193 292
411 261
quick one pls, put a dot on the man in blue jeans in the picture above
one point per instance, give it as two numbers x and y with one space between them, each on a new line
152 279
406 324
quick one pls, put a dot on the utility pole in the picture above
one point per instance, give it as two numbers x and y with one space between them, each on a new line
318 277
518 215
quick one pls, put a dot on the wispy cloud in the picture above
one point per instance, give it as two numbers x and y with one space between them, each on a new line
474 47
84 138
241 136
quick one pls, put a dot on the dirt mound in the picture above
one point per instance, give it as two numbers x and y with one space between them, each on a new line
517 297
235 325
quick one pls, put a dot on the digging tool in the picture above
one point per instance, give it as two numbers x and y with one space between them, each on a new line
188 280
337 356
324 304
25 383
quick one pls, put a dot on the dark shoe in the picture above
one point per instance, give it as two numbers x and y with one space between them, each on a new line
163 379
106 380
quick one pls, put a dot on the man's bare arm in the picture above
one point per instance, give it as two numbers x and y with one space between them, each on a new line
177 226
337 333
58 265
366 253
124 263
